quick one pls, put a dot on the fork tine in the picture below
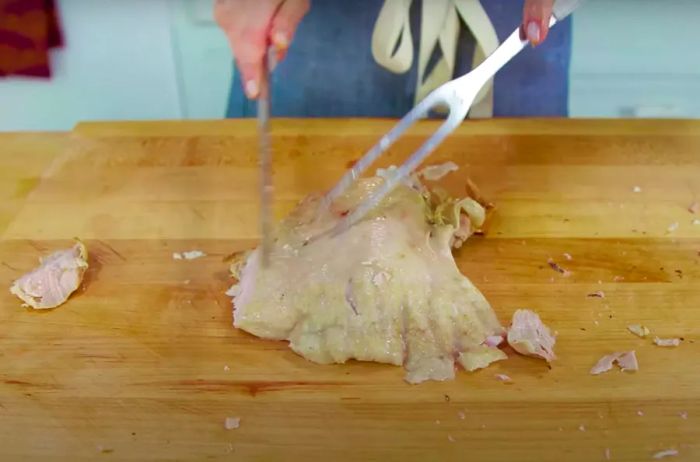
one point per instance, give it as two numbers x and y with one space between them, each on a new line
419 111
454 119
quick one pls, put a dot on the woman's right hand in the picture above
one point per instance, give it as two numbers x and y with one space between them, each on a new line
251 26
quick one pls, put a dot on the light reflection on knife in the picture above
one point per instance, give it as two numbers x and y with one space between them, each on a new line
266 187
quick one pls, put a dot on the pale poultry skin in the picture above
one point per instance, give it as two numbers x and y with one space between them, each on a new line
385 290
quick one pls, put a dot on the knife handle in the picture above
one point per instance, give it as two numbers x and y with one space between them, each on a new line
563 8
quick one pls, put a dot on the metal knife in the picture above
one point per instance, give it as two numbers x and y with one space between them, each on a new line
265 160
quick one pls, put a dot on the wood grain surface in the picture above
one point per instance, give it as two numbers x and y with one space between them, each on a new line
143 363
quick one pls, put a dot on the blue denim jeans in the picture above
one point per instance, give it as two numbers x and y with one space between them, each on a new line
330 72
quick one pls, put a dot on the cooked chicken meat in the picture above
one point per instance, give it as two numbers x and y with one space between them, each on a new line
58 276
529 336
667 342
638 330
436 172
627 360
385 290
231 423
665 453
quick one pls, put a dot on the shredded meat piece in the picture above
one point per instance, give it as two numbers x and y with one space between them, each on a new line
667 342
59 275
504 378
231 423
626 360
638 330
604 364
529 336
188 255
436 172
665 453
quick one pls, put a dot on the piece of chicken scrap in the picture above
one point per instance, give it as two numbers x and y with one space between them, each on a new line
385 290
529 336
57 277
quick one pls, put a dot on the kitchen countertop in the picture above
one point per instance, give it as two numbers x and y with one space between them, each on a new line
143 362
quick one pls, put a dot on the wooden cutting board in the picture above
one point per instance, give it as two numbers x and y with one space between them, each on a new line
143 363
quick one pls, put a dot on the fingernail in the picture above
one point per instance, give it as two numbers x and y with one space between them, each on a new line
533 32
251 88
279 39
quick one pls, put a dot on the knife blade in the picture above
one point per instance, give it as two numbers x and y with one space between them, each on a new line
265 158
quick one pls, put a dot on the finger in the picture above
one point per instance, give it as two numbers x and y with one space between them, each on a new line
246 24
248 48
249 54
285 23
536 16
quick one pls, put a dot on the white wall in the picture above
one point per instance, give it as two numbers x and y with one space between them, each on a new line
636 58
118 64
203 59
166 59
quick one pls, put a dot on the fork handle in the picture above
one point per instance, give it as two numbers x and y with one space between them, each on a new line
563 8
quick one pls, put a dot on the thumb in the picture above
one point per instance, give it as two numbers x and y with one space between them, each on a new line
536 16
285 23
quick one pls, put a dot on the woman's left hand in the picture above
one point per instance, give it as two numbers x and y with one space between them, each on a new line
536 16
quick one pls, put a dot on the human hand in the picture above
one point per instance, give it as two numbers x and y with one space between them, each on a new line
536 16
253 25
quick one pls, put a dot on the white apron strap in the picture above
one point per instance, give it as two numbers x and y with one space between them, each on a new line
439 28
393 25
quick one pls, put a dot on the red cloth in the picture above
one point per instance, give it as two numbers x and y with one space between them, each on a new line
28 30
